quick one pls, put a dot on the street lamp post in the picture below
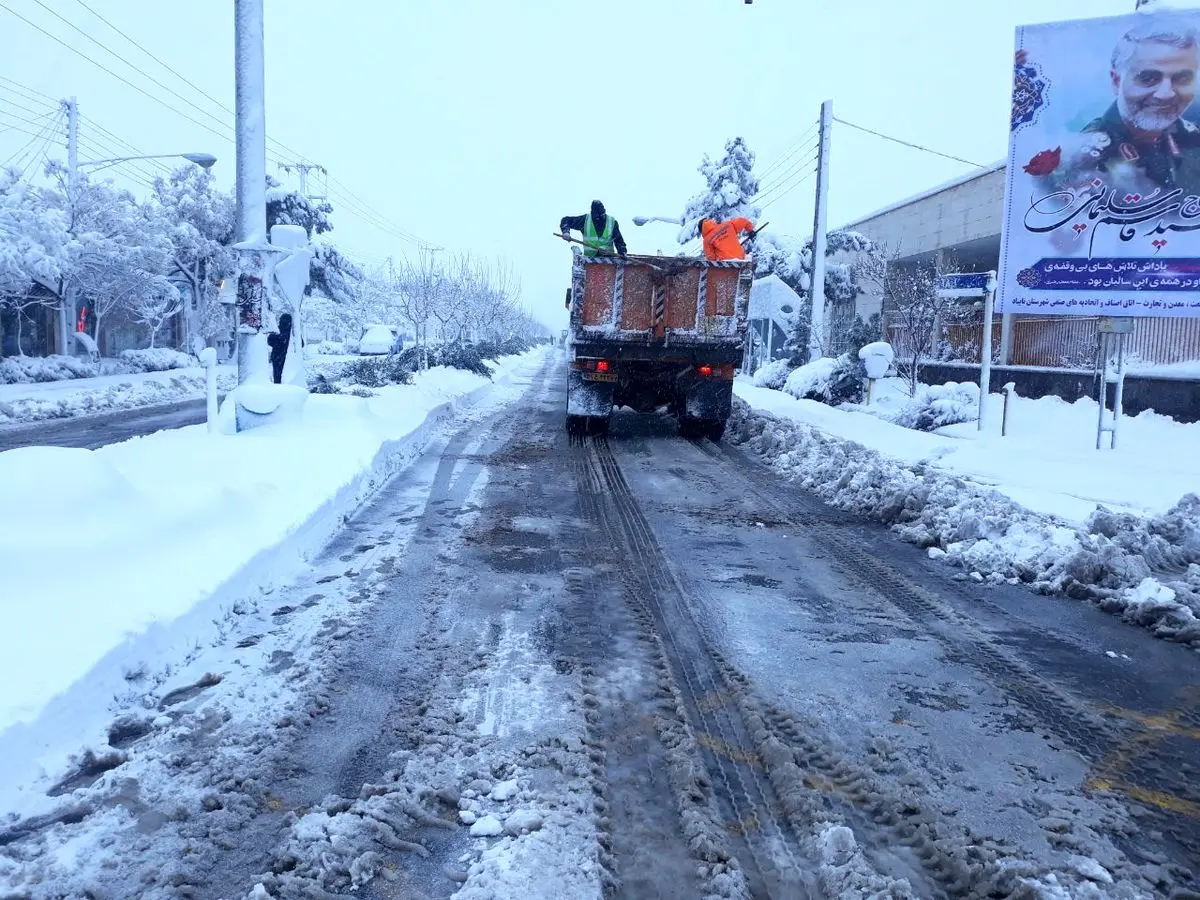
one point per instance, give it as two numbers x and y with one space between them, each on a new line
203 160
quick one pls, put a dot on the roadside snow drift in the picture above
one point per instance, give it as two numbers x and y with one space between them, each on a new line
113 547
63 399
1041 506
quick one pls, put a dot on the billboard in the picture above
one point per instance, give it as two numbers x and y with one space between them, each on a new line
1102 208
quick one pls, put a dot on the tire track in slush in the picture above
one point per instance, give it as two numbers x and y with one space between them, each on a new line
772 857
1094 737
779 777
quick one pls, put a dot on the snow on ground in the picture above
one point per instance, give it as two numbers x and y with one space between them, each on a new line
39 401
1042 505
504 747
120 557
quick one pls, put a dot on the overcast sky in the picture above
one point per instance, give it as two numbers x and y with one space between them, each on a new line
476 124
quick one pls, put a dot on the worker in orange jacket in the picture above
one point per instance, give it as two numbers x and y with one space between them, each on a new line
721 238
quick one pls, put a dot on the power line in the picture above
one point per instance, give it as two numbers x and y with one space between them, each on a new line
35 122
28 109
765 190
894 140
141 72
364 210
104 151
795 148
790 189
121 78
219 104
33 95
46 134
193 86
19 129
128 147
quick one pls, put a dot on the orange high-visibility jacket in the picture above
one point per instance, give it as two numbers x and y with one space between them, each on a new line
721 238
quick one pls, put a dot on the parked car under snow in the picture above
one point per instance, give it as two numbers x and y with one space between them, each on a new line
377 340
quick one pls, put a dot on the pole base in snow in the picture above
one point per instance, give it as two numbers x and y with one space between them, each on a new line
265 404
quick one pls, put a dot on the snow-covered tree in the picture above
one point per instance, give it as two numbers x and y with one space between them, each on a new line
912 303
731 186
152 305
33 238
332 274
117 249
791 259
288 207
201 221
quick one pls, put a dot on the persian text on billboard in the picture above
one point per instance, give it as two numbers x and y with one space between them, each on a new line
1102 212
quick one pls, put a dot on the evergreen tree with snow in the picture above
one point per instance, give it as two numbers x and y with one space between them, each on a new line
731 188
791 259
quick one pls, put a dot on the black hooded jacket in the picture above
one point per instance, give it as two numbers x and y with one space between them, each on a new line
577 223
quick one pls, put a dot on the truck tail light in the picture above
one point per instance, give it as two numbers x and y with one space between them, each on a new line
602 365
706 371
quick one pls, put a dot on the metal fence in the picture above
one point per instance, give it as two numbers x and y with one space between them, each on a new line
1069 341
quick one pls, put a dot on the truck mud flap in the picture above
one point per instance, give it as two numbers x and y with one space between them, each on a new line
593 399
708 400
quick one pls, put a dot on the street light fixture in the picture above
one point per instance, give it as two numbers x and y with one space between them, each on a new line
203 160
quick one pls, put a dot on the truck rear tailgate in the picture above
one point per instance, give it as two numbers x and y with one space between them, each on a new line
660 301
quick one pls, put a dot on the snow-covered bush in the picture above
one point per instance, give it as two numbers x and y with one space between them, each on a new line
30 369
811 380
938 405
366 372
845 381
508 347
773 375
331 348
156 359
826 380
452 355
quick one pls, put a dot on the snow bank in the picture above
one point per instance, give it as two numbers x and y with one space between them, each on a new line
113 546
157 359
33 369
1045 509
38 402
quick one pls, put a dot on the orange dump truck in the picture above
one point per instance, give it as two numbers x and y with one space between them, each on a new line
655 332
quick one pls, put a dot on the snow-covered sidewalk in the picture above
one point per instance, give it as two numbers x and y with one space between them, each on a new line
126 553
40 401
1042 505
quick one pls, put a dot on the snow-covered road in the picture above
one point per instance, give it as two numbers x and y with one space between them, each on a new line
90 432
639 667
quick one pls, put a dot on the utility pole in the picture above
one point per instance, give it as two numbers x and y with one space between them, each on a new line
816 334
66 311
303 169
253 249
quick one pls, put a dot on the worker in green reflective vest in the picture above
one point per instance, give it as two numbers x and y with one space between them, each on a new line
601 233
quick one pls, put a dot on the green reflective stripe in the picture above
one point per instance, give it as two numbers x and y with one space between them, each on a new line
597 242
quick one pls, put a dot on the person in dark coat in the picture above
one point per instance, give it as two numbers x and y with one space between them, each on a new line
278 341
600 231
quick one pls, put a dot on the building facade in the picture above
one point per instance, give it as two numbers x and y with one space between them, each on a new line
956 227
